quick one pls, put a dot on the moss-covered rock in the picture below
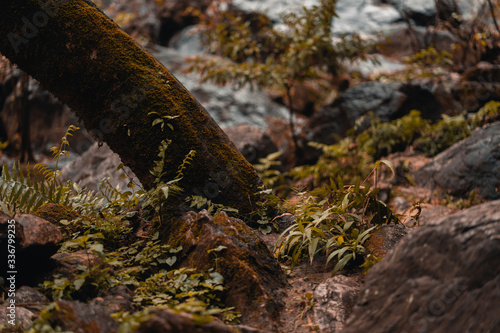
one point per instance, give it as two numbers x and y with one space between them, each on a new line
55 213
253 278
385 238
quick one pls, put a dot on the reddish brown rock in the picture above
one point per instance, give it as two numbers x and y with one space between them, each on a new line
385 238
253 278
37 232
167 321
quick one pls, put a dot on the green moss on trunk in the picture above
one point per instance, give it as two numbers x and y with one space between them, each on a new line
112 84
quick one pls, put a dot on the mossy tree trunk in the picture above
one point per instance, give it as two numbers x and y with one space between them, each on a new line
113 85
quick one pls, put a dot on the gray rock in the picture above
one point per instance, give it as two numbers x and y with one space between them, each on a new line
188 41
382 65
23 309
76 316
400 204
443 277
273 9
364 17
228 105
471 164
468 9
336 119
21 316
176 15
69 264
333 301
388 101
27 294
431 212
28 304
252 142
94 165
33 235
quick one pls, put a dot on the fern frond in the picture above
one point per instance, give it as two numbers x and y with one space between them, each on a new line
20 192
85 201
110 193
25 191
187 160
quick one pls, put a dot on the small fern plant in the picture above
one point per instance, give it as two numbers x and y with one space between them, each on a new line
24 191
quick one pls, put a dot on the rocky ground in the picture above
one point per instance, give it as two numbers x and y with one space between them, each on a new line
439 273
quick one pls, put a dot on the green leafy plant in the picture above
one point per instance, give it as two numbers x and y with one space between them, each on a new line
381 139
443 134
130 322
267 170
198 202
334 221
90 279
343 159
489 113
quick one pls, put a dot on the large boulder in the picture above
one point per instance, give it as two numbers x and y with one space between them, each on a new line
383 239
97 163
252 142
23 308
425 12
422 12
253 278
388 101
471 164
443 277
